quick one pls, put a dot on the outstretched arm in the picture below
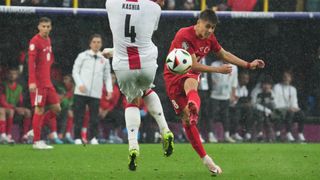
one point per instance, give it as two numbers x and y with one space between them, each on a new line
231 58
196 66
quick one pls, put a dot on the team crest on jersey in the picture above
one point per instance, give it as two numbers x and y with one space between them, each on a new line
185 45
31 47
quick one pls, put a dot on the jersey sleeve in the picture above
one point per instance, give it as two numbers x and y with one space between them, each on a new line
33 53
181 41
215 46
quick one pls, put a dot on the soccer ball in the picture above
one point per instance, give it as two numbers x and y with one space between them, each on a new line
179 61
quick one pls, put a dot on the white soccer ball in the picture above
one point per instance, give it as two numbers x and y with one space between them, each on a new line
179 61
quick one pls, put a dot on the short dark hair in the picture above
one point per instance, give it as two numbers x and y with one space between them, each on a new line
94 36
209 15
45 20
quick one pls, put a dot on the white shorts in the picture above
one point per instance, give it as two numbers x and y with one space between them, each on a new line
133 83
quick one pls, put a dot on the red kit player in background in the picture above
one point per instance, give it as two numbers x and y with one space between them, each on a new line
198 40
42 92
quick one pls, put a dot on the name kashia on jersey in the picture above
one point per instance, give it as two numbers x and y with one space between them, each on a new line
130 6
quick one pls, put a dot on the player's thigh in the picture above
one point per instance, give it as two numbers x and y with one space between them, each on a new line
146 78
53 100
38 98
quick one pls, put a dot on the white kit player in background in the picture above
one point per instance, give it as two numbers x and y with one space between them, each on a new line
132 23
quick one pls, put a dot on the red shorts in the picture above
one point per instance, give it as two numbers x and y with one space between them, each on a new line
44 96
175 89
104 104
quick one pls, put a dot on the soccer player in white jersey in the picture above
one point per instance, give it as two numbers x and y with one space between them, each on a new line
132 23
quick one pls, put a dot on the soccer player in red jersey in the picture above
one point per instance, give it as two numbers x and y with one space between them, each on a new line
198 40
42 91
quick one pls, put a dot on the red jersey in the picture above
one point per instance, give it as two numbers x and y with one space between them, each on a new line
187 39
40 61
113 102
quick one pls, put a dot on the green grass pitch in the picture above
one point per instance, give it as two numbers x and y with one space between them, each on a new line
238 161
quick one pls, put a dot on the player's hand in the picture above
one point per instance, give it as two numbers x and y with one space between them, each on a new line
225 69
82 89
108 96
32 87
107 52
257 63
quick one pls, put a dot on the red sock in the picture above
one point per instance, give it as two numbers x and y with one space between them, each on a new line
50 119
194 138
26 125
36 126
9 125
53 124
86 119
194 98
2 126
69 124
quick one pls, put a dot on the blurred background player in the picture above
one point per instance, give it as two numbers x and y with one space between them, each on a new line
242 112
91 70
135 63
286 104
12 98
264 104
110 113
223 96
65 122
198 40
41 88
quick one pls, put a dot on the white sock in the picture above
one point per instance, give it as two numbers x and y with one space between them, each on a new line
155 109
133 120
54 134
227 134
68 135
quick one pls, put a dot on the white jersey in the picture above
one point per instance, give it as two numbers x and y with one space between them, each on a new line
222 84
132 23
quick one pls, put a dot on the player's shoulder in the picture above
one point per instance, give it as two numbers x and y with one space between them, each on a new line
35 38
185 33
185 30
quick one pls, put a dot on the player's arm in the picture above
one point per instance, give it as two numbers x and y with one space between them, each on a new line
231 58
32 53
76 73
108 79
198 67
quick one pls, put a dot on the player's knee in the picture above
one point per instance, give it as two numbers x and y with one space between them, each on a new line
56 109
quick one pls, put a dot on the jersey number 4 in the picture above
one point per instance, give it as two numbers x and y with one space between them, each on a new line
129 31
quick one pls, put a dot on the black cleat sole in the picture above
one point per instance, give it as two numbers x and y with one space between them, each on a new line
169 151
132 165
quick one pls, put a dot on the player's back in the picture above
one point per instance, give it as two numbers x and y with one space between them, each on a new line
132 23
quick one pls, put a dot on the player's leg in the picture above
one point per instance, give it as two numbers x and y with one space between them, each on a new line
154 106
79 111
94 120
133 121
69 127
128 81
26 113
3 136
289 120
85 125
190 119
300 118
10 116
54 109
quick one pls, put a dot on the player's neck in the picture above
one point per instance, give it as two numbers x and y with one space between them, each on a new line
197 33
44 36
